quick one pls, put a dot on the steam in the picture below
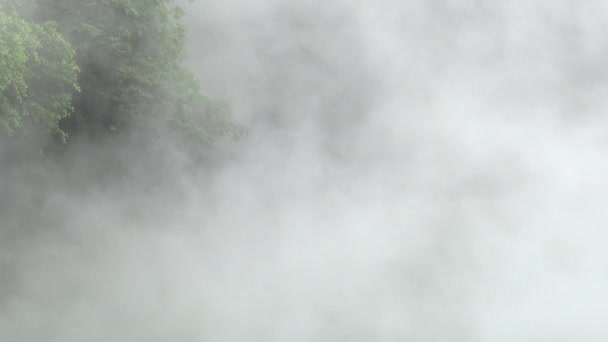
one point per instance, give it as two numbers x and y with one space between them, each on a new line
416 170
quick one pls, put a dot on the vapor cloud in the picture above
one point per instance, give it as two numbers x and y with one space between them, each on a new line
414 170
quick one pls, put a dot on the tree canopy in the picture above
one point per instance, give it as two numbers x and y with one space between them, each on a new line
91 67
38 75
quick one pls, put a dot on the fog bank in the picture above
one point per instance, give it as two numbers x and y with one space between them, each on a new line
413 170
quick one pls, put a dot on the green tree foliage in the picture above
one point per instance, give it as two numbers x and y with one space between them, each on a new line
115 64
130 54
38 74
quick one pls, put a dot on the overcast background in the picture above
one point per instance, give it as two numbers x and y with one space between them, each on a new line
413 171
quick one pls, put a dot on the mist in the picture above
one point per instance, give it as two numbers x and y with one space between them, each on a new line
412 171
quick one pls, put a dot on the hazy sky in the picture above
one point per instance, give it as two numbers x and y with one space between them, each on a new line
414 171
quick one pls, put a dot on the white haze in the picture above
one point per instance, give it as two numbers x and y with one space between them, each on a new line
414 171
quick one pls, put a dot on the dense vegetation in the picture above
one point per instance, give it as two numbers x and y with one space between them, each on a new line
100 67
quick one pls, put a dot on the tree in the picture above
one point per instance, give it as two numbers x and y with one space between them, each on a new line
130 54
38 74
